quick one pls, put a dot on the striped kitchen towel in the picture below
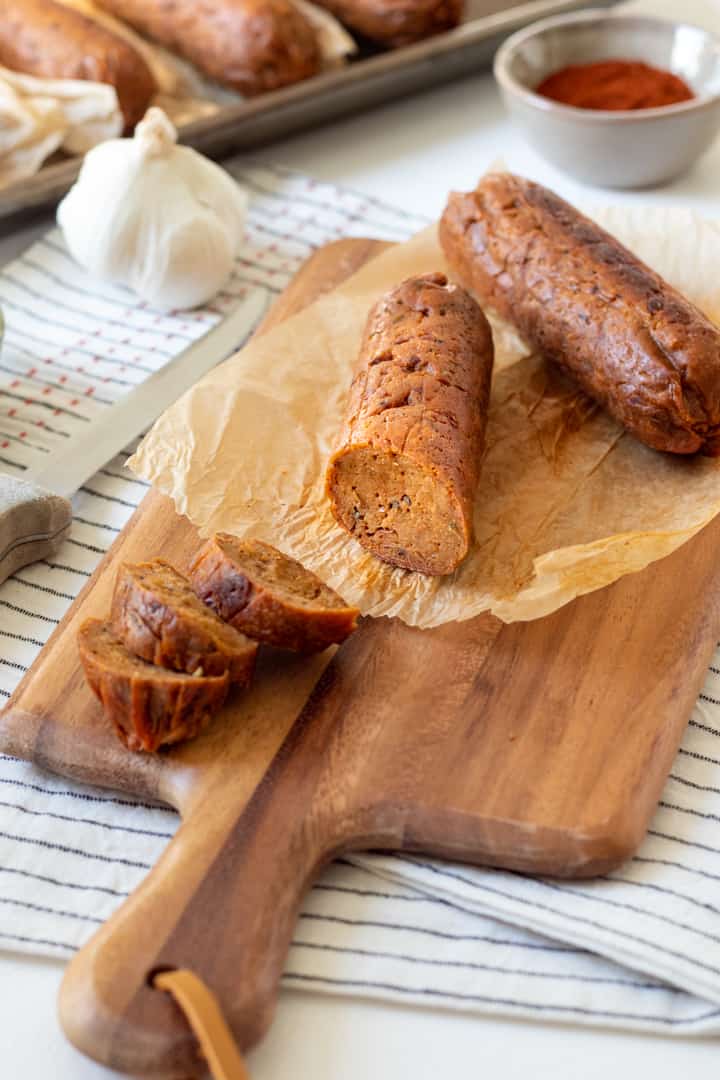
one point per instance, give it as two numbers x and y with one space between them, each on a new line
640 948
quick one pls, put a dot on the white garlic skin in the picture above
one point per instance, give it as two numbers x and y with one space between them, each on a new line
157 217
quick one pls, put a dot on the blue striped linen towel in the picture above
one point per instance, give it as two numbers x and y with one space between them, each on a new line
638 949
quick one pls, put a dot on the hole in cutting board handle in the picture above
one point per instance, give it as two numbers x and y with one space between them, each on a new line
152 975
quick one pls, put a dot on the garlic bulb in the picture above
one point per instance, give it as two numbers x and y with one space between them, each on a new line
155 216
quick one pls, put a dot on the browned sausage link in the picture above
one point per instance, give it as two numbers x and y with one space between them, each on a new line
396 22
628 338
270 597
404 480
51 41
249 45
157 616
147 706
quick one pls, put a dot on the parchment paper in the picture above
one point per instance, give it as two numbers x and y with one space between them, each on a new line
40 116
567 502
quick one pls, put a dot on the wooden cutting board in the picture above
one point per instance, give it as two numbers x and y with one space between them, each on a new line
541 747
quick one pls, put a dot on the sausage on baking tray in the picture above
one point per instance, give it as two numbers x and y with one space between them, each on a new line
51 41
628 338
393 23
404 480
248 45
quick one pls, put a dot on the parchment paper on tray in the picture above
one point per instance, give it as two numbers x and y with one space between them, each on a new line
567 503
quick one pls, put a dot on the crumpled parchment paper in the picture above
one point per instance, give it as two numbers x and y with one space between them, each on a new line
567 502
40 116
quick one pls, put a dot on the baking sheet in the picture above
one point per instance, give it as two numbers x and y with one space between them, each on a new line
371 79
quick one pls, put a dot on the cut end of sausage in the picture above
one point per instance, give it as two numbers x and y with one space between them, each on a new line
157 616
398 510
148 706
270 596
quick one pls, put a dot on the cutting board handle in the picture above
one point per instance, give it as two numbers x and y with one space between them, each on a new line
222 902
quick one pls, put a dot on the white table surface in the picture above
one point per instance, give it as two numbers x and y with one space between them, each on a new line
409 153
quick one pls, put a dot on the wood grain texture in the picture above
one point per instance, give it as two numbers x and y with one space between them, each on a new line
540 746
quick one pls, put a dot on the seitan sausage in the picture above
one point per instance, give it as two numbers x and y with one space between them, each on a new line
269 596
394 23
157 616
403 482
51 41
632 342
148 706
249 45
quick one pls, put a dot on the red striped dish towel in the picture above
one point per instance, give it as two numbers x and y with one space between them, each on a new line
640 948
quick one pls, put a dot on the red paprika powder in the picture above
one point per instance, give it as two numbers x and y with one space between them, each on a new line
614 84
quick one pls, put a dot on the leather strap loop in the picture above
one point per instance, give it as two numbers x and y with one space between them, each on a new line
202 1012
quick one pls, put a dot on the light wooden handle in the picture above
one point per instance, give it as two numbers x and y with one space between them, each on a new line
223 910
221 903
33 523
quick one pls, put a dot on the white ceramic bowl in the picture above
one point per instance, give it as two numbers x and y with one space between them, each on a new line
626 149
